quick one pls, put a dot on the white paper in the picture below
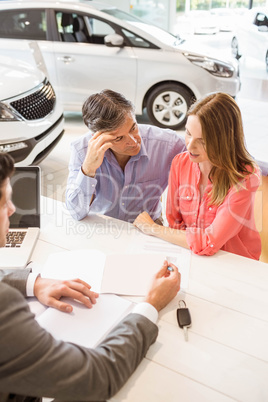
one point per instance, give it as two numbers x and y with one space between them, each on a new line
87 265
122 274
84 326
130 274
179 256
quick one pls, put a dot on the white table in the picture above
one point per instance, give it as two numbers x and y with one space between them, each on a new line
226 357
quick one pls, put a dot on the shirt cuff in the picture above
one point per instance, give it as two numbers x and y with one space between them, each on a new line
30 283
147 310
86 183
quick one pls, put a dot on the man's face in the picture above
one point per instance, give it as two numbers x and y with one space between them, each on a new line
127 140
7 208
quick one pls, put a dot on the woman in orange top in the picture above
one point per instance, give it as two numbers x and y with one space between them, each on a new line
212 186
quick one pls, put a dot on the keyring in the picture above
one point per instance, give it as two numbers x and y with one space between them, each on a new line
184 304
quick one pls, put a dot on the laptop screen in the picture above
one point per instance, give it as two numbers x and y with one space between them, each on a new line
26 197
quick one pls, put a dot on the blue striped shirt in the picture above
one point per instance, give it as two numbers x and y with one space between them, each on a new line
123 194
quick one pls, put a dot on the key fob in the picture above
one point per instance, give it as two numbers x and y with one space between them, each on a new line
183 317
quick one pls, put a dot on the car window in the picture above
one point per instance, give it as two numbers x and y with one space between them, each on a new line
23 24
68 24
73 27
135 40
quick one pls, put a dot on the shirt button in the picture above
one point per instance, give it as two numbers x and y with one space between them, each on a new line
195 214
212 245
123 203
210 209
188 197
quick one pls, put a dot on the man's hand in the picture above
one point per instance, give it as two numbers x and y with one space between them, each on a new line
49 292
97 146
145 223
165 286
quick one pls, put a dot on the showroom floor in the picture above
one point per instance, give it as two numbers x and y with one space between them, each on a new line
252 99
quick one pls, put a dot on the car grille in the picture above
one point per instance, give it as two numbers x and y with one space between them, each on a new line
37 105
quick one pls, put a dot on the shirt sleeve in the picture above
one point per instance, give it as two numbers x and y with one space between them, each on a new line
17 278
234 213
147 310
30 284
80 188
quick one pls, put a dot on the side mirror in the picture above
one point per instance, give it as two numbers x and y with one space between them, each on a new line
114 40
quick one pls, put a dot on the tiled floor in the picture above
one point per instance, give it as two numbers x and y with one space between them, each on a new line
253 102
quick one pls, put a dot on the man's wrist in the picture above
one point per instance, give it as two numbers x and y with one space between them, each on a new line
87 173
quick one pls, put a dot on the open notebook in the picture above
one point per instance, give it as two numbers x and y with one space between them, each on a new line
25 222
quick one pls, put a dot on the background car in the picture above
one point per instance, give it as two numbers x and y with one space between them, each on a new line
31 119
250 38
90 46
197 22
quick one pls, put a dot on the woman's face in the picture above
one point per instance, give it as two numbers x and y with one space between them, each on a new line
194 140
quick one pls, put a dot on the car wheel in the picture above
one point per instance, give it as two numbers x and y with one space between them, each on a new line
235 48
167 106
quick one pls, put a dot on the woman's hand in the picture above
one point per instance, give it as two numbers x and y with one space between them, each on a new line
145 223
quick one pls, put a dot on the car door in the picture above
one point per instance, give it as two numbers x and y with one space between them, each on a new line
85 65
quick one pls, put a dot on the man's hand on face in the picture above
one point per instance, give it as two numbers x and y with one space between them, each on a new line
165 286
50 291
97 146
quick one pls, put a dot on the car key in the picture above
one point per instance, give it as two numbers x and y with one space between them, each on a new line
184 318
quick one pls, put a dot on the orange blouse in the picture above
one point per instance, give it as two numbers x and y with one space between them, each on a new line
209 228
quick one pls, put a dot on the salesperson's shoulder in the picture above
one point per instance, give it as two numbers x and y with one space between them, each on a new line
153 133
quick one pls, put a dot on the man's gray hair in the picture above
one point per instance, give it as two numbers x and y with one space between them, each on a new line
106 110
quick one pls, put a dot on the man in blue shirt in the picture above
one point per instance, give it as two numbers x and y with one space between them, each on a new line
119 168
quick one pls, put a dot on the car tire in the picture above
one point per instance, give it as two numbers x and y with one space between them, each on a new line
235 48
168 104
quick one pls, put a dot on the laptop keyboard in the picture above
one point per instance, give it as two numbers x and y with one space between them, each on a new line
15 239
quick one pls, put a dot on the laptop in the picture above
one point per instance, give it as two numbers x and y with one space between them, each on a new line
25 222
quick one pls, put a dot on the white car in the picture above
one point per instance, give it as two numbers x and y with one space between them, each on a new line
251 35
89 46
197 22
31 119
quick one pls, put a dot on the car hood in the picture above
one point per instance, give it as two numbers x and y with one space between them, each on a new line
167 41
17 77
190 47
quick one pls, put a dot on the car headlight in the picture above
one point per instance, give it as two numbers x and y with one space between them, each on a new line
7 114
213 66
13 147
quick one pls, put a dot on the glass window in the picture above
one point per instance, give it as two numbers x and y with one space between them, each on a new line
98 30
73 27
135 40
23 24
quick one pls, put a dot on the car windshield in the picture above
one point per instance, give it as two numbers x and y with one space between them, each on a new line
153 30
121 15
